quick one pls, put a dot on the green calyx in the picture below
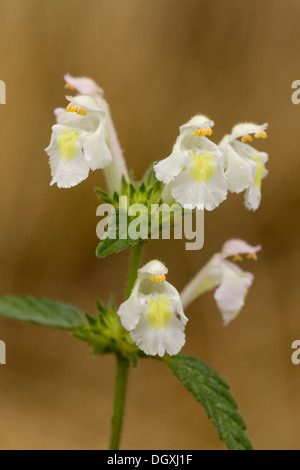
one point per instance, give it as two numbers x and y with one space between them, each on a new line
146 192
106 335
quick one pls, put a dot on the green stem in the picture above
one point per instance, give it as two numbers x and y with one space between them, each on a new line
136 253
122 362
119 402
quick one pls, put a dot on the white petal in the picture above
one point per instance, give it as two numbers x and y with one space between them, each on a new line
84 101
130 310
66 174
239 170
61 115
236 246
186 191
196 144
171 166
83 85
252 156
230 296
246 150
129 314
154 267
206 279
197 122
246 128
170 291
252 198
96 150
160 341
88 122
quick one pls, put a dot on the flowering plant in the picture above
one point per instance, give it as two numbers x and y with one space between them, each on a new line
150 322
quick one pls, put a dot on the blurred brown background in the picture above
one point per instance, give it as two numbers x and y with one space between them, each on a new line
159 62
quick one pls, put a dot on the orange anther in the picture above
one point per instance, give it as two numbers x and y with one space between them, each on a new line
69 86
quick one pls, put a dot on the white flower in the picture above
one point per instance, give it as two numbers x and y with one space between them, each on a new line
79 142
153 313
244 165
232 282
195 169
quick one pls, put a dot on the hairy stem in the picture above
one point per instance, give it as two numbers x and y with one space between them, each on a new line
119 401
123 363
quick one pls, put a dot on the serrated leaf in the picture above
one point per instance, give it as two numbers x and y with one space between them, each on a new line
43 312
110 244
107 246
213 393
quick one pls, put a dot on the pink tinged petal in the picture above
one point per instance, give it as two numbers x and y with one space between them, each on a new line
83 85
230 296
236 246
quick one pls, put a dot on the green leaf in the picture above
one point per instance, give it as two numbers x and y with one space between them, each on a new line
41 312
213 393
111 243
108 246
